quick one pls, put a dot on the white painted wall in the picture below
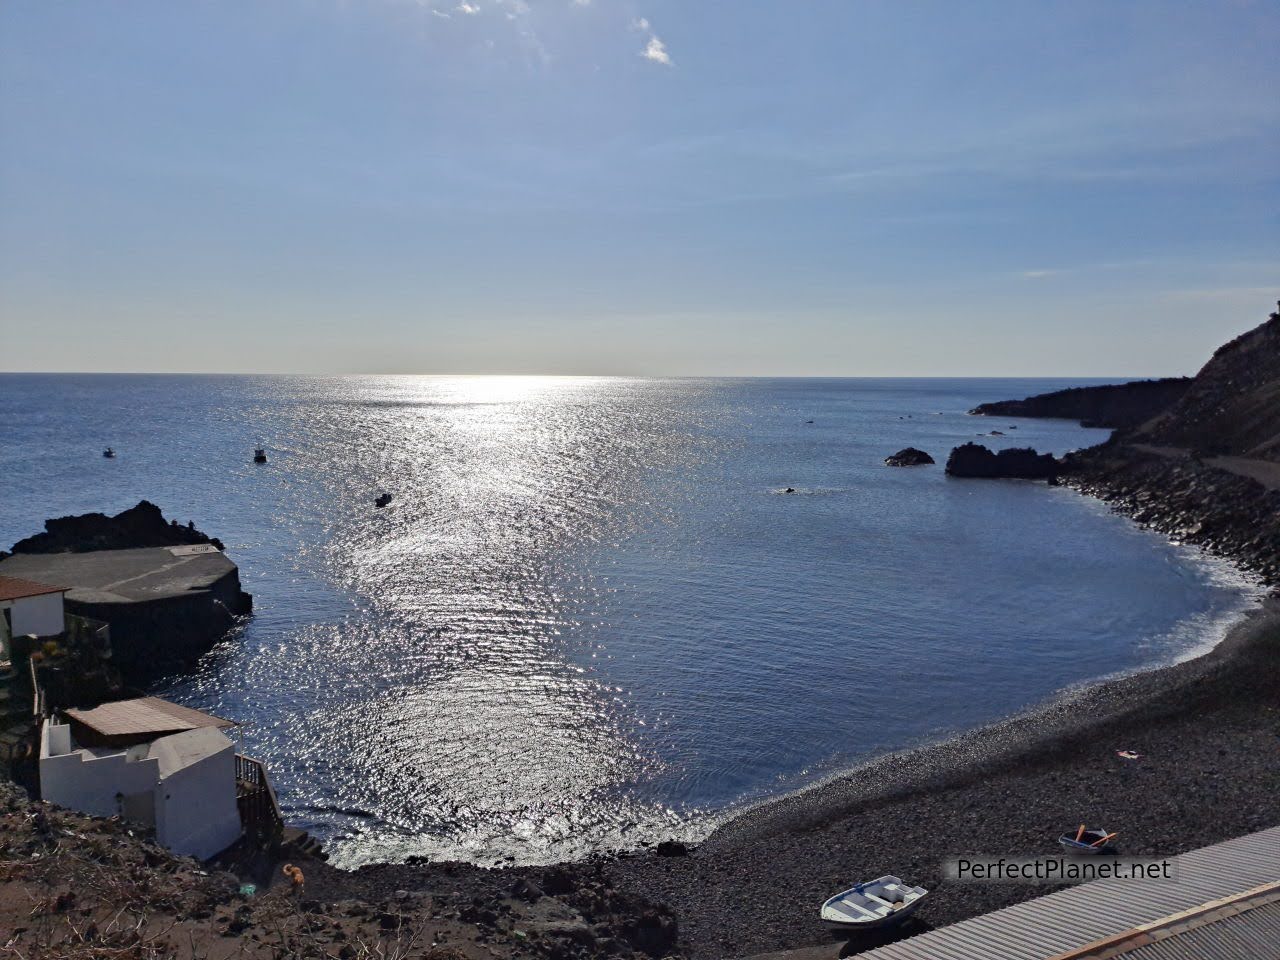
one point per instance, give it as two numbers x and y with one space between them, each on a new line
78 780
40 615
192 776
196 812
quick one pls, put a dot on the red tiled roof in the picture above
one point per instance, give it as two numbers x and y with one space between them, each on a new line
15 588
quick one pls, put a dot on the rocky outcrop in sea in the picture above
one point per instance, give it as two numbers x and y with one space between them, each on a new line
1016 463
909 457
140 526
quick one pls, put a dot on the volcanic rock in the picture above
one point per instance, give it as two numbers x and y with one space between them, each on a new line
1018 463
909 457
140 526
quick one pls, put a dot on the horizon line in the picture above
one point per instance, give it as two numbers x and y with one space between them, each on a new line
1129 377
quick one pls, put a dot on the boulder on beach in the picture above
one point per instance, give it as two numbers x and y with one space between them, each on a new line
909 457
1018 463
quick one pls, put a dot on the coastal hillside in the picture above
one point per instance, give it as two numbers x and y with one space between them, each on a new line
1119 405
1232 407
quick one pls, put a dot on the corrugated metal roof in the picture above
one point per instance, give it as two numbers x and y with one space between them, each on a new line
16 588
143 716
1251 934
1079 916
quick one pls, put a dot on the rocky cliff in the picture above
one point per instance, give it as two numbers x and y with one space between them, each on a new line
1120 405
1203 469
1232 406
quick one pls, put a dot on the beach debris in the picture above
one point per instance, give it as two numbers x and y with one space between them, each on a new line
1128 755
1087 841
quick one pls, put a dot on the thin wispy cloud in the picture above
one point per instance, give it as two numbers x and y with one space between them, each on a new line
654 50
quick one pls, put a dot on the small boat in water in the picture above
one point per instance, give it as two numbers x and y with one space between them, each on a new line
873 904
1087 841
259 455
109 453
383 500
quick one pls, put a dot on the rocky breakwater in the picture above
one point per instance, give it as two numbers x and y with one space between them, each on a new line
1017 463
166 591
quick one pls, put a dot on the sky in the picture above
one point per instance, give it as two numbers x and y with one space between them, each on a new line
648 187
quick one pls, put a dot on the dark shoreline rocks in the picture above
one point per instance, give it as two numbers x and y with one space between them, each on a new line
909 457
1190 500
141 526
1016 463
1113 405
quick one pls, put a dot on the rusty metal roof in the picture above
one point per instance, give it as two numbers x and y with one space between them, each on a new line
1073 921
144 717
16 588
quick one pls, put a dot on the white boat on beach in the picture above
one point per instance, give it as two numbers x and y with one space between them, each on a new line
875 903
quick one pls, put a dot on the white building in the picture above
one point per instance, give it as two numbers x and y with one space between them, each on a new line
149 761
29 608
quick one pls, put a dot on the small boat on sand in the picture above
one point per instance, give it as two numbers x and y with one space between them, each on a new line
1087 841
873 904
109 453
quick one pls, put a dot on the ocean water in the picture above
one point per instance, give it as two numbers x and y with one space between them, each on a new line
591 617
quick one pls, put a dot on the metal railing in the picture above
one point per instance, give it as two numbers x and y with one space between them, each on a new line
256 798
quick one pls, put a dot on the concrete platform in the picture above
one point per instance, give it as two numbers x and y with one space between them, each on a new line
164 605
124 576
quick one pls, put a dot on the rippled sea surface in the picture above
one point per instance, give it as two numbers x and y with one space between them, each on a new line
590 616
